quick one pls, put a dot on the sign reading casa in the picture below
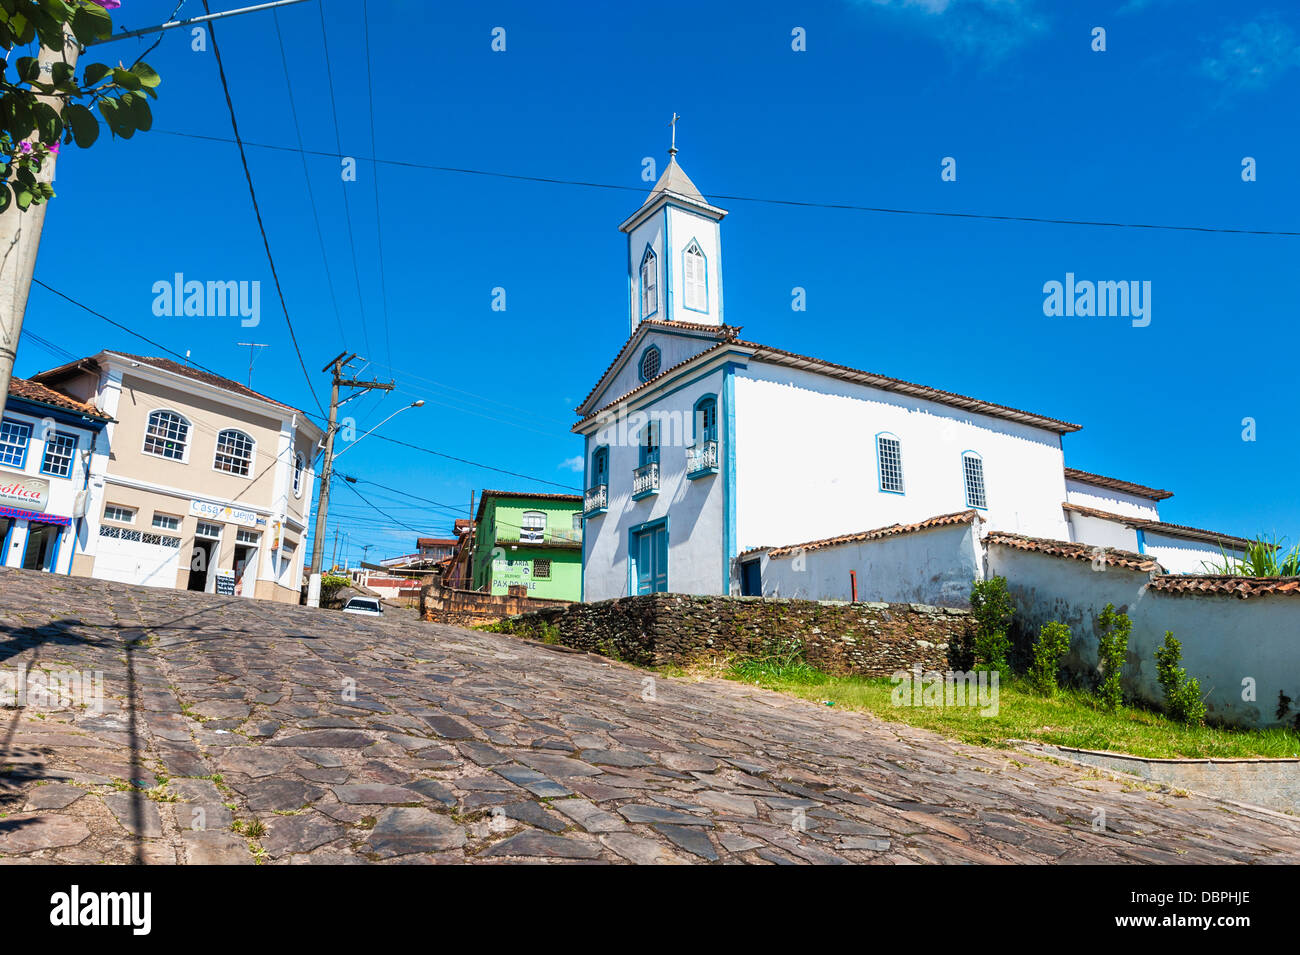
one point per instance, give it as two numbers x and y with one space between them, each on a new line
225 513
28 494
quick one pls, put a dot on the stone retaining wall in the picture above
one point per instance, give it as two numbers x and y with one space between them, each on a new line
469 608
867 639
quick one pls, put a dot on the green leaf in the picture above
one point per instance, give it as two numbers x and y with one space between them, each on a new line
29 69
126 79
61 72
23 198
85 128
6 197
117 117
141 114
91 23
148 77
48 123
94 73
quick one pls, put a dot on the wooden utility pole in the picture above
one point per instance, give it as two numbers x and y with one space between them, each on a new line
337 368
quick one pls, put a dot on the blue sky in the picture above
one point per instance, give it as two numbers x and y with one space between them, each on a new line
1153 130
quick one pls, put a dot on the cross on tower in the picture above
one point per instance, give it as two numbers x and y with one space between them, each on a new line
672 150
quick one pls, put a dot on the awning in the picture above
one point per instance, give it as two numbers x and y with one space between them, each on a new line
34 518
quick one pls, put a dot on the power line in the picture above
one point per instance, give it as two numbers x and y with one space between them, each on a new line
800 203
349 486
257 210
374 175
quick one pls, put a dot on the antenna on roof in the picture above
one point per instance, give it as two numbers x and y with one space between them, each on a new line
252 356
187 358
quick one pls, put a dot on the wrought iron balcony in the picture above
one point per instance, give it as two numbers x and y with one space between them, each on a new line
702 459
645 480
596 500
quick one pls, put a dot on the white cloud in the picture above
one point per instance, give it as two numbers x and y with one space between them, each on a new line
1255 56
572 464
982 29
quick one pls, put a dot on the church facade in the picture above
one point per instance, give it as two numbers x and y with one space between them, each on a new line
707 453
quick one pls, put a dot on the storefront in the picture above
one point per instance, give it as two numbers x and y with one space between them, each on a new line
32 540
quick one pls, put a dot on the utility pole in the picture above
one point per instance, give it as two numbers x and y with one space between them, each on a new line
252 355
337 367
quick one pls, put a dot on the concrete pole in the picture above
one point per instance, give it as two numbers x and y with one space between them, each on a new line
323 498
20 236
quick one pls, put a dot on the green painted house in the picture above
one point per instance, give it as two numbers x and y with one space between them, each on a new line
532 541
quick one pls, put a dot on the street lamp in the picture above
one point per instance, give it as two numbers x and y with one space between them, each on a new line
418 403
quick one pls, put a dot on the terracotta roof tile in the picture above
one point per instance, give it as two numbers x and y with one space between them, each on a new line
723 333
1242 587
35 391
1161 527
893 530
1115 484
1113 557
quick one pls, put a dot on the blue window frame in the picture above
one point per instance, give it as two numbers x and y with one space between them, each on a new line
600 467
889 462
648 445
14 438
59 449
706 419
695 284
972 468
651 363
649 283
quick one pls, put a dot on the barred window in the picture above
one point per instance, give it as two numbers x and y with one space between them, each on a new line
889 454
973 469
59 448
166 435
651 360
13 443
542 568
234 452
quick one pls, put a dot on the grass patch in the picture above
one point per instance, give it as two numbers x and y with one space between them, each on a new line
1070 718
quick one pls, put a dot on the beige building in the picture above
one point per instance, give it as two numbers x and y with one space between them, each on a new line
197 483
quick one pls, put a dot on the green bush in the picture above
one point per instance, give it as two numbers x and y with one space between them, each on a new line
1113 629
993 609
331 584
1052 644
1182 693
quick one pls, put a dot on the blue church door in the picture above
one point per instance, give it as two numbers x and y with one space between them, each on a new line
650 560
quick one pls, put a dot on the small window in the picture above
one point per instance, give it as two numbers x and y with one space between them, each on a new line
299 463
600 467
889 454
973 469
542 568
706 419
166 435
167 522
59 448
234 453
577 521
247 537
123 515
649 283
648 451
650 362
13 443
696 297
533 528
205 529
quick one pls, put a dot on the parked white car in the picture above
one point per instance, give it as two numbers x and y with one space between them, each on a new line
368 606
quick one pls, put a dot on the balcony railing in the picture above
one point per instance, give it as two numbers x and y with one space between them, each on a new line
645 480
596 500
702 459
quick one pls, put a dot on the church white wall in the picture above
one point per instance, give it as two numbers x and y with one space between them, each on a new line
934 567
1105 499
651 232
695 558
806 461
674 348
1102 533
684 226
1180 556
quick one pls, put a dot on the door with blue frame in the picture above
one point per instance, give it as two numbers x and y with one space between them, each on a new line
650 560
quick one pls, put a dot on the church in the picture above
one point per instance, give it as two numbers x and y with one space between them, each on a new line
699 477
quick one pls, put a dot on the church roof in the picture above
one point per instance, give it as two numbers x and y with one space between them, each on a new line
675 180
967 516
1115 484
728 336
673 184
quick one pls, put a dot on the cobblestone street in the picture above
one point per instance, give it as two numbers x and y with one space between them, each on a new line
235 731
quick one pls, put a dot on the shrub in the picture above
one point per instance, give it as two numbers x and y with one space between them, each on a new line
1052 644
1263 557
993 609
330 585
1182 693
1113 630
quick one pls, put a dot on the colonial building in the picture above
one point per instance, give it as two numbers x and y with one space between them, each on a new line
529 544
197 482
47 446
695 442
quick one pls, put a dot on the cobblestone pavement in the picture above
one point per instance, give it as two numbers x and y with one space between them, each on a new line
236 731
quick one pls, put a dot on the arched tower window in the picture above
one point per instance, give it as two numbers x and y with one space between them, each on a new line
649 283
695 293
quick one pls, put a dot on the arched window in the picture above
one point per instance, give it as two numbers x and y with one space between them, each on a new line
648 451
651 361
299 463
167 435
649 283
972 468
600 467
706 419
889 462
532 529
693 277
234 453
